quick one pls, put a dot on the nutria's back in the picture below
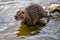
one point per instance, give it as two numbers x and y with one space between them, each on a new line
34 9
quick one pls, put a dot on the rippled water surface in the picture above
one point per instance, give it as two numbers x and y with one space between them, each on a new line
10 29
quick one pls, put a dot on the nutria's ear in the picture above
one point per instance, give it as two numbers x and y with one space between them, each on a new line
20 12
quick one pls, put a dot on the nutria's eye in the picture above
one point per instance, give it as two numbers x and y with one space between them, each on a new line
22 12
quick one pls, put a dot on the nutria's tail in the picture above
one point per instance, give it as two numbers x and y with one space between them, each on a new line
56 10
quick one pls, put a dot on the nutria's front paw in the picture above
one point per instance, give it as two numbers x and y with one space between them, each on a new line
29 23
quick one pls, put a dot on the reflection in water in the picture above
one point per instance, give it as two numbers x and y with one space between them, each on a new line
26 30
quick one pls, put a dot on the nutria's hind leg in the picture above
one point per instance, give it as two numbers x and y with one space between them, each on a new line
44 21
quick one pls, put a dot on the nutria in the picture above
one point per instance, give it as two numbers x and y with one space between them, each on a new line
31 14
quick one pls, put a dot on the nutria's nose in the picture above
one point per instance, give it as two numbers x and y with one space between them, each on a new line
15 17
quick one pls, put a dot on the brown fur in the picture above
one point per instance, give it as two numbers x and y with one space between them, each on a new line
31 14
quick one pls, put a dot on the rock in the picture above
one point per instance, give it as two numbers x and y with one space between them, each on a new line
52 7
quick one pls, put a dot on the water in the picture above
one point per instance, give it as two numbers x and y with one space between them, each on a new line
9 26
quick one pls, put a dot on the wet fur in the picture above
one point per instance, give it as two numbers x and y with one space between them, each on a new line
32 14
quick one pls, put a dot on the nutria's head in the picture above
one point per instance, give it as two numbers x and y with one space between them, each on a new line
20 15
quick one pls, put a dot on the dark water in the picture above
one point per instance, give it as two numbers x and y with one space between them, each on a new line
10 29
